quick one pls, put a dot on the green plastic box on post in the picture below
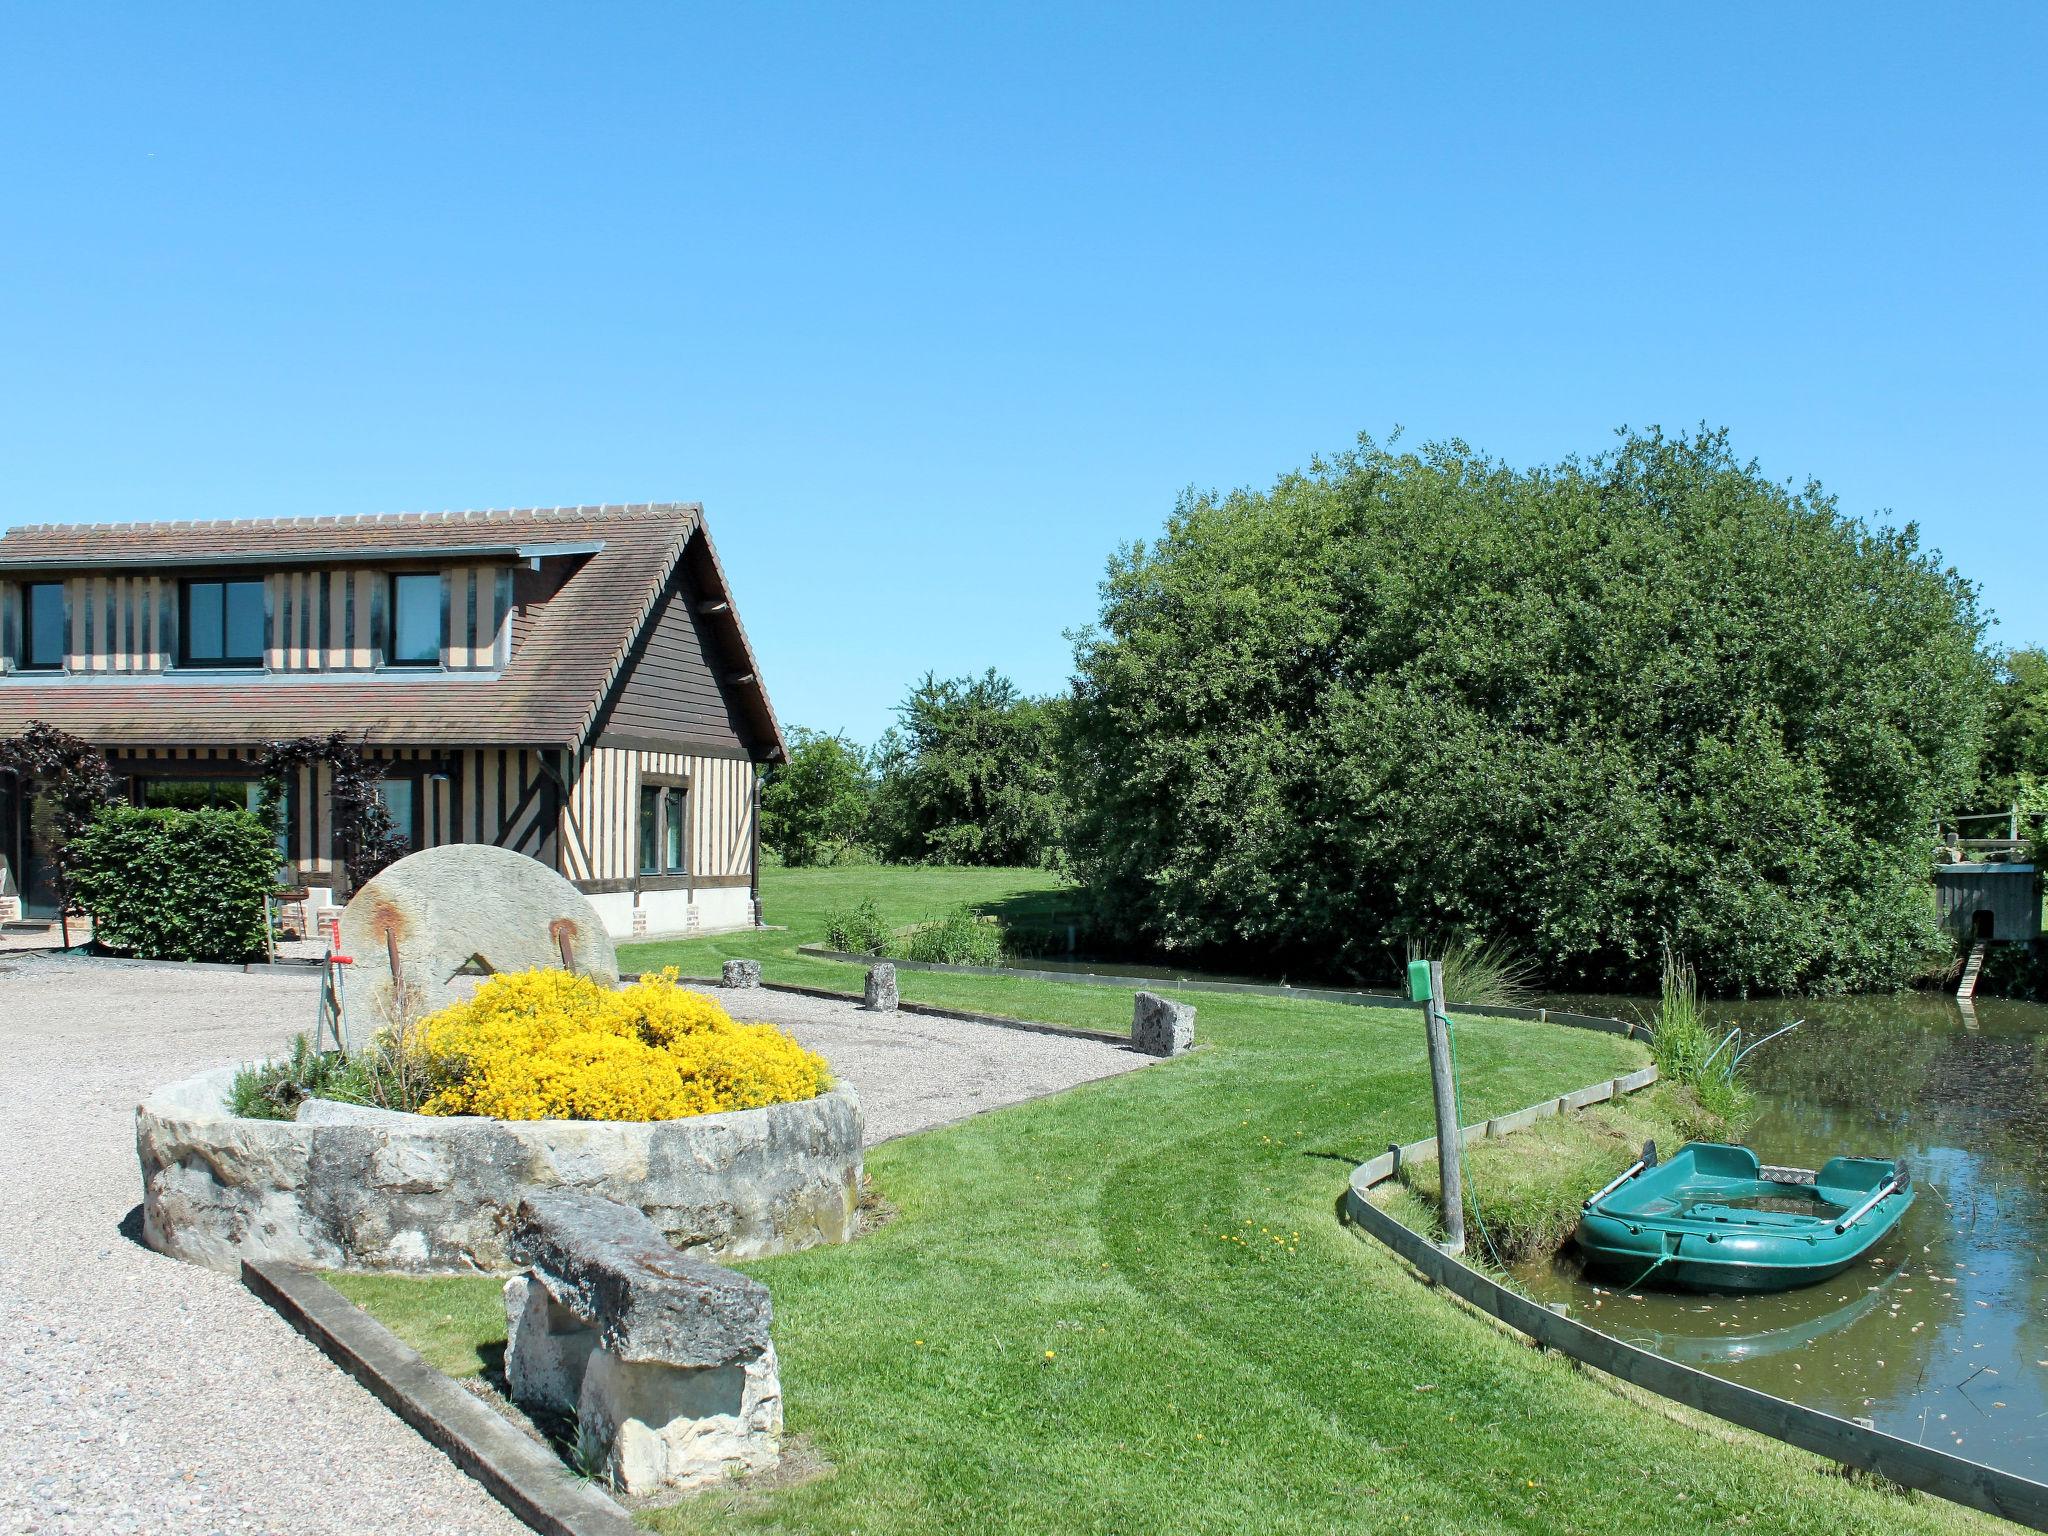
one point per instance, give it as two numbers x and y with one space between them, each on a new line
1418 981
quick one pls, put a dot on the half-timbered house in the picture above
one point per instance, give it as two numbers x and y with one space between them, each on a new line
571 683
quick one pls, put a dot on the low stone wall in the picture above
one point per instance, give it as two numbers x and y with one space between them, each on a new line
344 1187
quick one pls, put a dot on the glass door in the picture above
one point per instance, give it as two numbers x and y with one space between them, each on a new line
38 886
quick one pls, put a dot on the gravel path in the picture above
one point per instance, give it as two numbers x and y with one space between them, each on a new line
140 1394
913 1071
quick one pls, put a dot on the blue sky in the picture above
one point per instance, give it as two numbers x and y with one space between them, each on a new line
933 307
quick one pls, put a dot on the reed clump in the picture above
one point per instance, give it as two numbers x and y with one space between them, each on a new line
1489 972
1689 1050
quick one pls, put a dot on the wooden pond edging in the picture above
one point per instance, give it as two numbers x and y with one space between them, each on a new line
1941 1473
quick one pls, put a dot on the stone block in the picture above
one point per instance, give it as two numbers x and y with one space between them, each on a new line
742 973
547 1347
610 1265
1160 1026
879 996
656 1428
664 1359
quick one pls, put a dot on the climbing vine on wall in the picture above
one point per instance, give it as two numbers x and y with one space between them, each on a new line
364 835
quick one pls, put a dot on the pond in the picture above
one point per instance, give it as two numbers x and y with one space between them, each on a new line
1941 1335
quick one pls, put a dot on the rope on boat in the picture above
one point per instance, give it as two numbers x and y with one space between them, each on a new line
1655 1265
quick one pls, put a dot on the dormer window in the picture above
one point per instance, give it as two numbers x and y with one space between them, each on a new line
415 621
222 624
43 638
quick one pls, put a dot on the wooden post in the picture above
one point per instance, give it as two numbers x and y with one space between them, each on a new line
1426 986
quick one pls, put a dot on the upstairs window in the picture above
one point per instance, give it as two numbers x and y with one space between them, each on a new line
43 637
415 621
222 624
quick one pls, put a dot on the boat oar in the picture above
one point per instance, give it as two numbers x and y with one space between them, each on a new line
1890 1187
1647 1160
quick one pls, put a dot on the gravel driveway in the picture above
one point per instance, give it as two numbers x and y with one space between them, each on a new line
913 1071
140 1394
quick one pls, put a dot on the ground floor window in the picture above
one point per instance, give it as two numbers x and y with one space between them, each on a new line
183 794
663 848
401 799
179 793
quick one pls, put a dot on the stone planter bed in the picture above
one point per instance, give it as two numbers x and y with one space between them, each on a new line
345 1187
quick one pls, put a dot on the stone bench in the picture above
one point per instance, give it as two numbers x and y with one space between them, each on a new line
663 1358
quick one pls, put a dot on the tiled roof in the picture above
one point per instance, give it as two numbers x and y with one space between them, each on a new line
546 696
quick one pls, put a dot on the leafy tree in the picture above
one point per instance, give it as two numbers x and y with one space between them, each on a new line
1575 709
817 805
971 775
71 782
2015 769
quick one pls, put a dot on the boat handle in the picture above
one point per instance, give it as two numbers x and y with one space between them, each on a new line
1891 1187
1627 1173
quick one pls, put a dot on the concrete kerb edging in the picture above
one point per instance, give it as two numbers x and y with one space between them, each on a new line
519 1472
1911 1465
1350 997
245 968
929 1010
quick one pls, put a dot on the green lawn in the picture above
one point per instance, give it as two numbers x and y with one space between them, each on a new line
1132 1308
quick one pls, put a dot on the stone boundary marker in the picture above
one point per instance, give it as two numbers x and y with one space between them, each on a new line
1851 1444
1160 1026
879 994
520 1473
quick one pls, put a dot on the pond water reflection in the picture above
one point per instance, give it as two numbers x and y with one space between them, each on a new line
1941 1335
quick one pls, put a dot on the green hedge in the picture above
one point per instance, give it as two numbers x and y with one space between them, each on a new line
177 885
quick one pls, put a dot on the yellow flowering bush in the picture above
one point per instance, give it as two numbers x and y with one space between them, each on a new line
548 1045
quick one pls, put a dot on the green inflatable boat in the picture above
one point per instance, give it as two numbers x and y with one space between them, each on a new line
1713 1218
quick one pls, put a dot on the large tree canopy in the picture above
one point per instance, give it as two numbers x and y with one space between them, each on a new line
1577 708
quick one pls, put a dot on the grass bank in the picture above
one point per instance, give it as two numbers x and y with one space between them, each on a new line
1132 1308
1522 1192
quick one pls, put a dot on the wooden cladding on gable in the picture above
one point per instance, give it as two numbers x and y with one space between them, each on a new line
671 685
334 620
600 819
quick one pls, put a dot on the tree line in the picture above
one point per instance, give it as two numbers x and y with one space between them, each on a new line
1581 710
970 774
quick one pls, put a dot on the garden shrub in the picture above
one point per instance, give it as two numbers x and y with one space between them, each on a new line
545 1044
860 931
176 885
